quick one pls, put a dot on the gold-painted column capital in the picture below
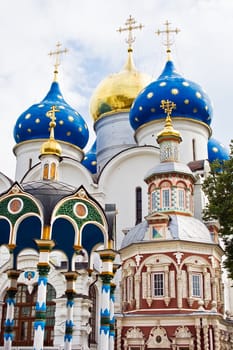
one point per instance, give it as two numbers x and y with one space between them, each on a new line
45 245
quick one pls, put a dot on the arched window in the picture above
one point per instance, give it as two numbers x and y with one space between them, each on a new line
181 195
138 205
165 194
53 171
25 316
93 310
46 172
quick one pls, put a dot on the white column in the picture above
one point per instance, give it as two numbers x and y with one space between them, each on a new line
70 293
45 246
107 256
9 322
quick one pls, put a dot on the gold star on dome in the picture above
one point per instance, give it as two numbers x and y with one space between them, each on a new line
168 39
130 25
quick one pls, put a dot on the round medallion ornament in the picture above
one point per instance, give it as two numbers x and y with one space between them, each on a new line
15 205
80 210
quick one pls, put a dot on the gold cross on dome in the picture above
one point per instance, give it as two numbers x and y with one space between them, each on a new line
130 25
57 53
168 107
51 113
168 40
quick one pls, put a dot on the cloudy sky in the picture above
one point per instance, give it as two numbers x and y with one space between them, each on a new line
30 29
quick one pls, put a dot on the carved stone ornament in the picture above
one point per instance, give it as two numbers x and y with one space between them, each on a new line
158 339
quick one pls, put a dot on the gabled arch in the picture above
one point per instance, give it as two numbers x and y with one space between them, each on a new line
16 206
87 217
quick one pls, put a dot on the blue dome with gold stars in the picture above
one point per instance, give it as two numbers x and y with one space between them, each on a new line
34 124
217 151
89 160
190 99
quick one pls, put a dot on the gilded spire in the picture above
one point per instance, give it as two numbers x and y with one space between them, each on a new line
57 54
168 39
168 131
51 146
130 25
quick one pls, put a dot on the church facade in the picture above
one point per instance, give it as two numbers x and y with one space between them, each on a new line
107 249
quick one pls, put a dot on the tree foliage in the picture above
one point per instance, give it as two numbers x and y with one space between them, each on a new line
219 190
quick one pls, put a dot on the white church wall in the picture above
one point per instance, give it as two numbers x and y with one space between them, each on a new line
119 180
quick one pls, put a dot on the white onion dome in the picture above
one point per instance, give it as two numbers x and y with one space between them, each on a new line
190 99
70 126
117 91
217 151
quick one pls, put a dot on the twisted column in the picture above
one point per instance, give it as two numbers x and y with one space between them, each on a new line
43 267
9 322
70 293
107 256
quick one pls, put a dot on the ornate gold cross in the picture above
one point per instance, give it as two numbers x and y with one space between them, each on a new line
168 107
57 53
130 26
167 31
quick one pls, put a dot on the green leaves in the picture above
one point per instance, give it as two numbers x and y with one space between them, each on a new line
218 188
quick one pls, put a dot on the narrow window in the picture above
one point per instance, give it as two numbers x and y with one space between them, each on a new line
153 201
46 172
166 198
194 148
53 171
158 284
181 198
30 163
196 287
130 289
93 311
138 205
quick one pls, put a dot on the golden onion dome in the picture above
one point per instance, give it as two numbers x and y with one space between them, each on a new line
51 146
117 92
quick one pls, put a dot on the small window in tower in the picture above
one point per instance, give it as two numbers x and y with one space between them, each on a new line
46 172
138 205
158 284
197 285
181 201
194 148
154 204
129 288
53 171
166 198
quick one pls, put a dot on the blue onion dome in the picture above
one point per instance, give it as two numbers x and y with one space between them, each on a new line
34 124
217 151
190 99
89 160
